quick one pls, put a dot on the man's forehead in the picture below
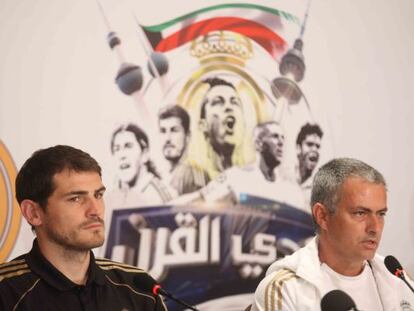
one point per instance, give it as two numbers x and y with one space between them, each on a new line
124 136
170 122
70 178
312 137
273 128
357 187
221 90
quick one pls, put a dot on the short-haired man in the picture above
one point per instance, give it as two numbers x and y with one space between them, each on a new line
60 192
308 144
174 127
269 142
349 203
221 121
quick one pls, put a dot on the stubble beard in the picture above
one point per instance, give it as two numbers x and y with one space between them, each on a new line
72 241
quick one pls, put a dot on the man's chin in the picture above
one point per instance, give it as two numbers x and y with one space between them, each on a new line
369 254
92 244
127 178
231 140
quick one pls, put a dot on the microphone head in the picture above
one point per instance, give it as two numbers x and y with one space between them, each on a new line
337 300
393 265
144 282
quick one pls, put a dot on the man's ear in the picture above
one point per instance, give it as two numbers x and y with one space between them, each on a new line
32 212
202 125
144 156
258 144
320 215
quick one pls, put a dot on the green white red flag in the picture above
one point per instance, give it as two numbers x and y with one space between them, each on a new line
264 25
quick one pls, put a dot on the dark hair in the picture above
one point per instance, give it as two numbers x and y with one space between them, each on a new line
212 82
140 135
306 130
328 181
35 179
178 112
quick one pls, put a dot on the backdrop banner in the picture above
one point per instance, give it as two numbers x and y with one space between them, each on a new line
204 253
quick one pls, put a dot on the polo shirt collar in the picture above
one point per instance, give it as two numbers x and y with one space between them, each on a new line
42 267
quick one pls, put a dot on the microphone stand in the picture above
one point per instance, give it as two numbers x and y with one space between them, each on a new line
402 277
167 294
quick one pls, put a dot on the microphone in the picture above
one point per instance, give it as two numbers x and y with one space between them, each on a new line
394 266
146 283
337 300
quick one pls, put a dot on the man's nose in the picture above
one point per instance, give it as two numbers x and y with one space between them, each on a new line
375 223
95 207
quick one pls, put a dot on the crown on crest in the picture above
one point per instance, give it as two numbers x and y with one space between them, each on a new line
222 43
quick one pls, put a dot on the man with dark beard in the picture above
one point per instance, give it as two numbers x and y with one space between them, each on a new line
308 144
174 127
60 193
221 121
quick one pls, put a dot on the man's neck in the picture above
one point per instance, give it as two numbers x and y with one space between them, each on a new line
338 263
73 264
222 156
269 171
304 174
174 163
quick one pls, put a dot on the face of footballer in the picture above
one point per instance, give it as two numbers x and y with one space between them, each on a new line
308 152
223 122
272 142
73 217
173 138
353 232
128 155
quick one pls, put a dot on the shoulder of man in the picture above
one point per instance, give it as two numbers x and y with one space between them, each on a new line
15 270
16 279
156 187
119 272
277 291
286 283
124 275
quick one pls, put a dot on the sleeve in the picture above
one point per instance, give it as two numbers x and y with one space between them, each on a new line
273 292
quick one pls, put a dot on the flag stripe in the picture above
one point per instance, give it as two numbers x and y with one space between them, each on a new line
161 27
269 40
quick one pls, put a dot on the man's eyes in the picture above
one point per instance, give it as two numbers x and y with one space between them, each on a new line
383 213
217 101
235 101
99 195
75 199
313 145
360 213
363 213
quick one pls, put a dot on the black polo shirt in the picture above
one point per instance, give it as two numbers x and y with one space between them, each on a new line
32 283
